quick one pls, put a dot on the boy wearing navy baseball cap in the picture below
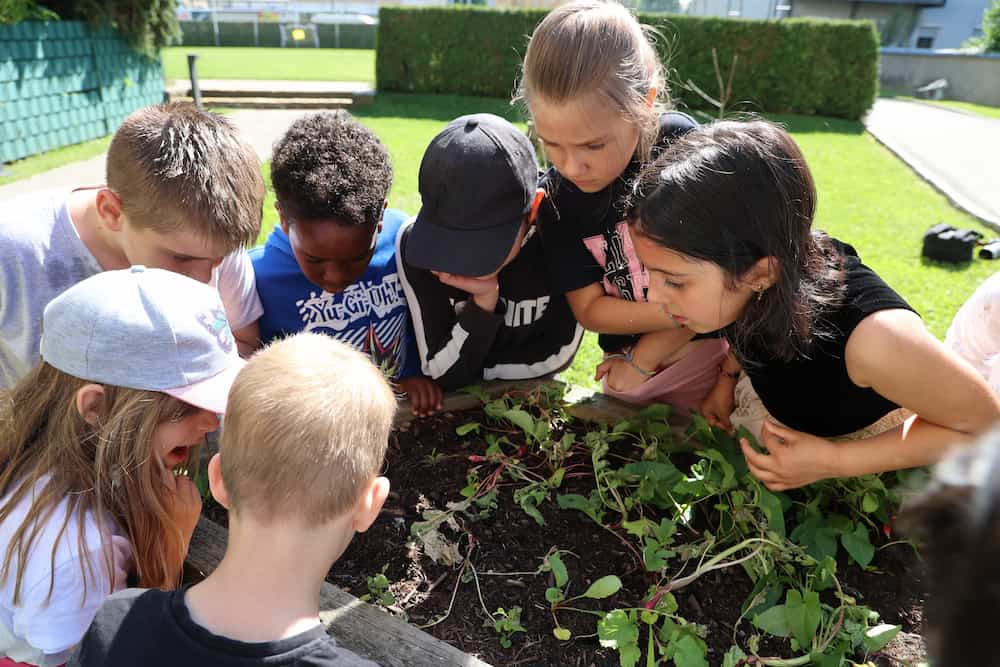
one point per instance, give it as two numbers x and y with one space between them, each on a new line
471 263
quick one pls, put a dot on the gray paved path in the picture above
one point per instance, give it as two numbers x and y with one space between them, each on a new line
958 153
259 127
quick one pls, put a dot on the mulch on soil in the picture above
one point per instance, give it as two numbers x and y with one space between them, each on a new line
427 464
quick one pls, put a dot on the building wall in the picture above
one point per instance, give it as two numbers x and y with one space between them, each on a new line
971 77
954 23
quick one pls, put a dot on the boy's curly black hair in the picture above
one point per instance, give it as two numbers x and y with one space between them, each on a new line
328 165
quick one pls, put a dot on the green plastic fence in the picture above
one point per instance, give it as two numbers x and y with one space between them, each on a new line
63 82
344 36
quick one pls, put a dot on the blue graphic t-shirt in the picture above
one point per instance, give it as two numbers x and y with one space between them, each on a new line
371 314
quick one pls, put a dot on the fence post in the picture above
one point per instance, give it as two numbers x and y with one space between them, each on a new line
193 72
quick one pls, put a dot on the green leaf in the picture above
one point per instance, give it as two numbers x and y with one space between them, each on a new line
553 594
557 478
770 505
818 539
728 472
466 429
655 558
562 634
689 652
637 527
859 545
803 615
869 503
773 621
734 657
876 638
574 501
558 570
665 531
603 587
521 419
618 631
831 658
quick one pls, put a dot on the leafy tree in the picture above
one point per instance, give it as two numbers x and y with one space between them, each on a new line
991 27
148 24
15 11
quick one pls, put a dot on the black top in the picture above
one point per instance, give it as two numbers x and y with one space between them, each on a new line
531 333
585 234
153 628
813 393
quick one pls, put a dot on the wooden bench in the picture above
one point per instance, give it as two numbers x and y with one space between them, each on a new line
933 90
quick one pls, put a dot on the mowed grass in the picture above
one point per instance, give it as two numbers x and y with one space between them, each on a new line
226 62
970 107
36 164
867 197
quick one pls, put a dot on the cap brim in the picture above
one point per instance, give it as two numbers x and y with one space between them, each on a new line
463 252
211 393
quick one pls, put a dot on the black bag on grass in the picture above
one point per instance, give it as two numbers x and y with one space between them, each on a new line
947 244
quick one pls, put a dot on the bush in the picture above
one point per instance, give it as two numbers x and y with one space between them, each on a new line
991 28
794 65
148 25
15 11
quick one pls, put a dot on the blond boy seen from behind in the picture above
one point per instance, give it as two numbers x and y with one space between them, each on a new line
298 466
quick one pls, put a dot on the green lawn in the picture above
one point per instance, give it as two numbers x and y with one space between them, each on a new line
981 109
36 164
867 197
266 63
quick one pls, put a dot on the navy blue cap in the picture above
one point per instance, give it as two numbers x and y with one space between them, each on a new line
477 181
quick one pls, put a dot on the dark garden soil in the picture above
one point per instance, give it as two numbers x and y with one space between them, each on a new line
427 464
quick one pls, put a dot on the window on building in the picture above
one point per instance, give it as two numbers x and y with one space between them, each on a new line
925 42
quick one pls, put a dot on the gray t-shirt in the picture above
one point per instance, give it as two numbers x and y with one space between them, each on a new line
42 256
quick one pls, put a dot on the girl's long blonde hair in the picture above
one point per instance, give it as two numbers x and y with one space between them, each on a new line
597 46
107 469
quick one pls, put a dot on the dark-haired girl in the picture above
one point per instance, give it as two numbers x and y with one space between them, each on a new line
850 379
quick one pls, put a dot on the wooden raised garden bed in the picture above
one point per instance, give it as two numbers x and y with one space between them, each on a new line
529 529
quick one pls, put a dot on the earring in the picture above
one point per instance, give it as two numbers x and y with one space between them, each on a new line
759 289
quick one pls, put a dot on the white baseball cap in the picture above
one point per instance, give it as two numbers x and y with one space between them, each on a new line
144 329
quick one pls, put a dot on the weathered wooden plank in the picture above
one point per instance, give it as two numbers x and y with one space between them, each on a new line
356 625
456 401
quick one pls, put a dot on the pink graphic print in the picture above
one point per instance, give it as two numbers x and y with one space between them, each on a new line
624 275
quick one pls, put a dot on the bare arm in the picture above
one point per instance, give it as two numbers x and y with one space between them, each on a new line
248 339
893 353
596 311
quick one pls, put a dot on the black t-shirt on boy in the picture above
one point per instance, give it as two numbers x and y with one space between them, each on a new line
154 628
585 234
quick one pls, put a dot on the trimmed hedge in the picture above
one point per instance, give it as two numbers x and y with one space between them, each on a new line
806 66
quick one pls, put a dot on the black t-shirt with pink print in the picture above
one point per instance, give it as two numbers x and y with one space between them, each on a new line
585 235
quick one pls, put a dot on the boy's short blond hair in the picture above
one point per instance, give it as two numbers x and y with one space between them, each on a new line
306 428
175 166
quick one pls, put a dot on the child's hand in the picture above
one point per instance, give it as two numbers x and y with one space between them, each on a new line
794 458
621 375
718 406
485 291
424 393
185 503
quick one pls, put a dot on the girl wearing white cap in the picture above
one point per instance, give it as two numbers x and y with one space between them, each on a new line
136 366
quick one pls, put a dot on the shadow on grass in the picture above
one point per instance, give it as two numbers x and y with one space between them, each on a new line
951 267
435 107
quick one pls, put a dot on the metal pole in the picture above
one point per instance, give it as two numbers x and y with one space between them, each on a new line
193 72
215 22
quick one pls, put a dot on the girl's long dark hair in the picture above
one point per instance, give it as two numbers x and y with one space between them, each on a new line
732 193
